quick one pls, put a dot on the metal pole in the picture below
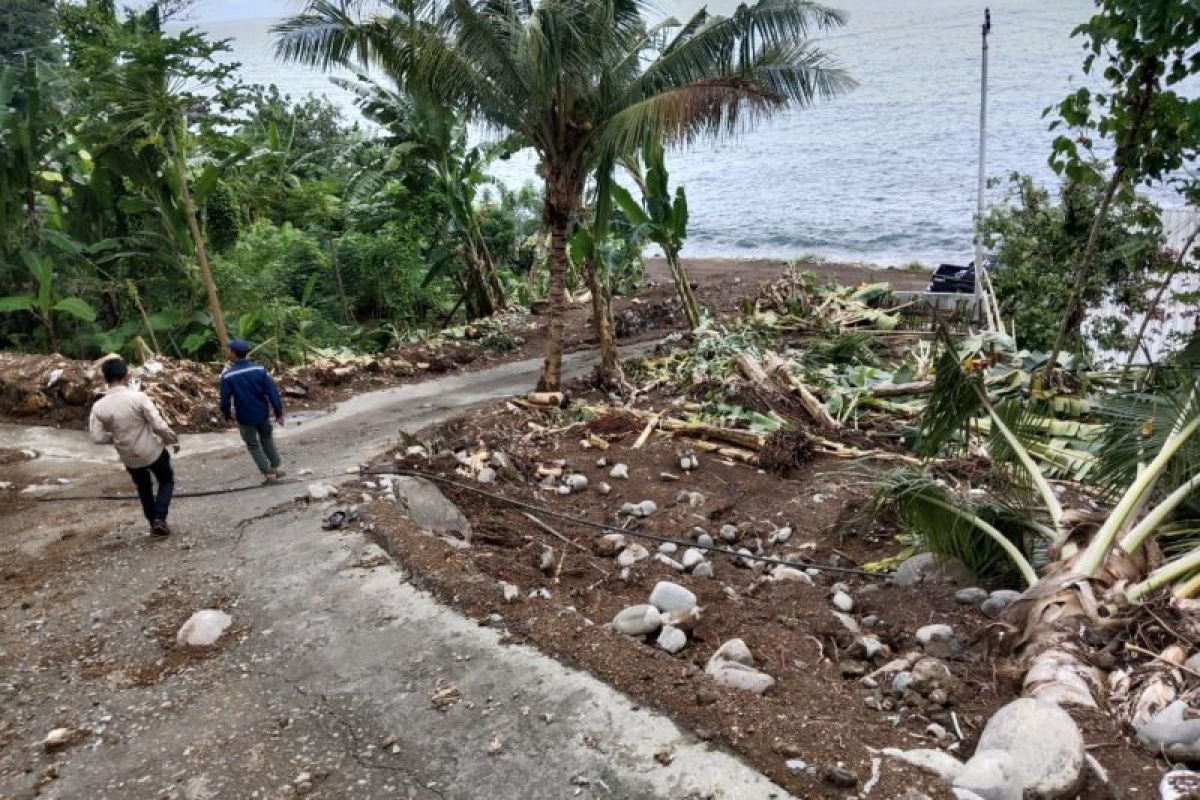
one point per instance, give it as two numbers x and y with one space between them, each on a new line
983 85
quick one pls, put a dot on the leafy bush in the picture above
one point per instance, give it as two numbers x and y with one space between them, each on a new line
1038 240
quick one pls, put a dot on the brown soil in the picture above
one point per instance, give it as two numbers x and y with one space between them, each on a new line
31 392
813 713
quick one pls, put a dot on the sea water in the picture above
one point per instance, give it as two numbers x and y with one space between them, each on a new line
885 174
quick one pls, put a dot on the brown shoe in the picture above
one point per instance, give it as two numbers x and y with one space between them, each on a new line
159 528
270 477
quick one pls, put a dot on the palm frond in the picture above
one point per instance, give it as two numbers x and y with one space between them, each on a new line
954 527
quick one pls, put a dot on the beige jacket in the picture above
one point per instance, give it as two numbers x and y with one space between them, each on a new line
130 421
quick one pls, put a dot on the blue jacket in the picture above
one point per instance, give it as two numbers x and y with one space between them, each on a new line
246 385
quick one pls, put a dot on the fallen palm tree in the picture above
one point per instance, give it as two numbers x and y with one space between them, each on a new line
1104 571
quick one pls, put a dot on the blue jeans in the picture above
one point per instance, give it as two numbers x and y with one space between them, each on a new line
260 441
155 506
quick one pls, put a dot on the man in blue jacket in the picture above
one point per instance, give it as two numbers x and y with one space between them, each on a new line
246 386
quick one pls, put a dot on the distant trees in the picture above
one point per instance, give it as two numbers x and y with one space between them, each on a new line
160 198
580 82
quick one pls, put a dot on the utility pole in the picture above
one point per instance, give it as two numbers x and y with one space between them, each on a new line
983 87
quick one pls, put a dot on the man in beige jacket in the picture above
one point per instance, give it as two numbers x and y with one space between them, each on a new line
130 422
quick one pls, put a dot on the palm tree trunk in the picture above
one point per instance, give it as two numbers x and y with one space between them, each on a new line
558 220
609 371
206 277
691 310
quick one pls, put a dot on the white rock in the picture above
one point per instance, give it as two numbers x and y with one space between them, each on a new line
735 651
671 639
203 628
871 646
631 555
668 548
306 471
1173 732
619 471
511 591
692 557
59 737
796 764
638 620
704 540
999 601
602 462
744 678
321 491
971 596
781 536
934 633
668 561
729 533
609 545
603 488
704 570
486 475
790 574
646 508
667 596
843 602
576 482
1029 748
563 490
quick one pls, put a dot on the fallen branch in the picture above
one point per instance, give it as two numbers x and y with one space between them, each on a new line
553 532
645 434
735 453
761 378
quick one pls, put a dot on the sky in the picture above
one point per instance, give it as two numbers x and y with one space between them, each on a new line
222 10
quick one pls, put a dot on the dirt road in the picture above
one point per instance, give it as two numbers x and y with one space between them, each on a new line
323 689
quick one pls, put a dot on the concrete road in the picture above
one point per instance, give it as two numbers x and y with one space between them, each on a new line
323 689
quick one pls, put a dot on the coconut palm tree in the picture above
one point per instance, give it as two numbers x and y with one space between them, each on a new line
579 80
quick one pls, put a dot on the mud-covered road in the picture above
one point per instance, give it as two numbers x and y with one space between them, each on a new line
323 687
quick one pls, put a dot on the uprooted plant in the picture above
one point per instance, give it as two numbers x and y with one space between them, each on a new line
1102 568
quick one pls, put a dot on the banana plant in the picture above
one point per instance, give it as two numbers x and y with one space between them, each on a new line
45 302
661 218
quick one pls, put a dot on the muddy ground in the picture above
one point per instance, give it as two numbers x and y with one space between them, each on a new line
51 390
819 729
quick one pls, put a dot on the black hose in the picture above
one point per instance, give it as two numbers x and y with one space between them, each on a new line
531 507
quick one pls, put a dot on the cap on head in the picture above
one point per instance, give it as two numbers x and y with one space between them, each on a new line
239 347
114 370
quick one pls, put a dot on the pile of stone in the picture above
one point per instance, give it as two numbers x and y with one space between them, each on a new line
669 616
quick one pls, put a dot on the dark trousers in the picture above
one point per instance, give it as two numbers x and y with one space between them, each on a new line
154 506
260 441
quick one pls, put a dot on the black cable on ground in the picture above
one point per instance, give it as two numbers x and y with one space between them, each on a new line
531 507
195 493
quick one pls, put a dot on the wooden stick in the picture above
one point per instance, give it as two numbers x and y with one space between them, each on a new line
553 532
641 440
